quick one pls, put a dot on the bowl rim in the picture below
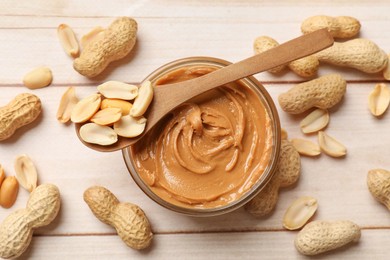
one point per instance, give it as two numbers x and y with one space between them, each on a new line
268 171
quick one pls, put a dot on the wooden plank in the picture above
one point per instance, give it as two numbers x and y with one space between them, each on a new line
159 38
241 245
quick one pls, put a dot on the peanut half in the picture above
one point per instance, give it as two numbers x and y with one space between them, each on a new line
305 147
107 116
378 182
379 99
323 92
322 236
125 106
315 121
38 78
68 40
26 173
299 212
9 191
339 27
330 145
67 103
143 100
118 90
86 108
98 134
129 126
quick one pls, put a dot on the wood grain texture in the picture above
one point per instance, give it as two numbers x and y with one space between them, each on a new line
169 31
235 245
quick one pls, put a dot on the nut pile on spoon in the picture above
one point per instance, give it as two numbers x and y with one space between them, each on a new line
109 113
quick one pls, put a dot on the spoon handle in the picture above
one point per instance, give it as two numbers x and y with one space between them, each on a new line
169 96
289 51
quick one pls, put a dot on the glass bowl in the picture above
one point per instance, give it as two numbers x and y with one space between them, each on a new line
269 169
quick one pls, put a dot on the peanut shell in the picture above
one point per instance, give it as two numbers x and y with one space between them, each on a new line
322 236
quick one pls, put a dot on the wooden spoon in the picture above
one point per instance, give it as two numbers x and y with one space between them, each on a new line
169 96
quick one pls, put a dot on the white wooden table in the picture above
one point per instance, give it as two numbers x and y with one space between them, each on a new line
169 30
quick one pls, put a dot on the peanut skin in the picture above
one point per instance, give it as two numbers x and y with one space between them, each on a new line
321 236
22 110
128 219
339 27
16 230
378 182
360 54
323 92
9 191
118 40
287 174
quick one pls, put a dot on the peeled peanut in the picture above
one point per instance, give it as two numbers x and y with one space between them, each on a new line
107 116
118 90
323 92
9 191
67 103
339 27
299 212
129 126
38 78
379 99
143 100
68 40
330 145
315 121
98 134
360 54
93 35
26 173
378 182
125 106
305 147
304 67
322 236
86 108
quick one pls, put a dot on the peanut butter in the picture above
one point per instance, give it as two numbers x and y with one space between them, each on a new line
207 152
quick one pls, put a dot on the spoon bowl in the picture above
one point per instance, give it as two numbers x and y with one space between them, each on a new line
169 96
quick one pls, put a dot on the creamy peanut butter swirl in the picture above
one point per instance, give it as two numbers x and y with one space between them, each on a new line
211 150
